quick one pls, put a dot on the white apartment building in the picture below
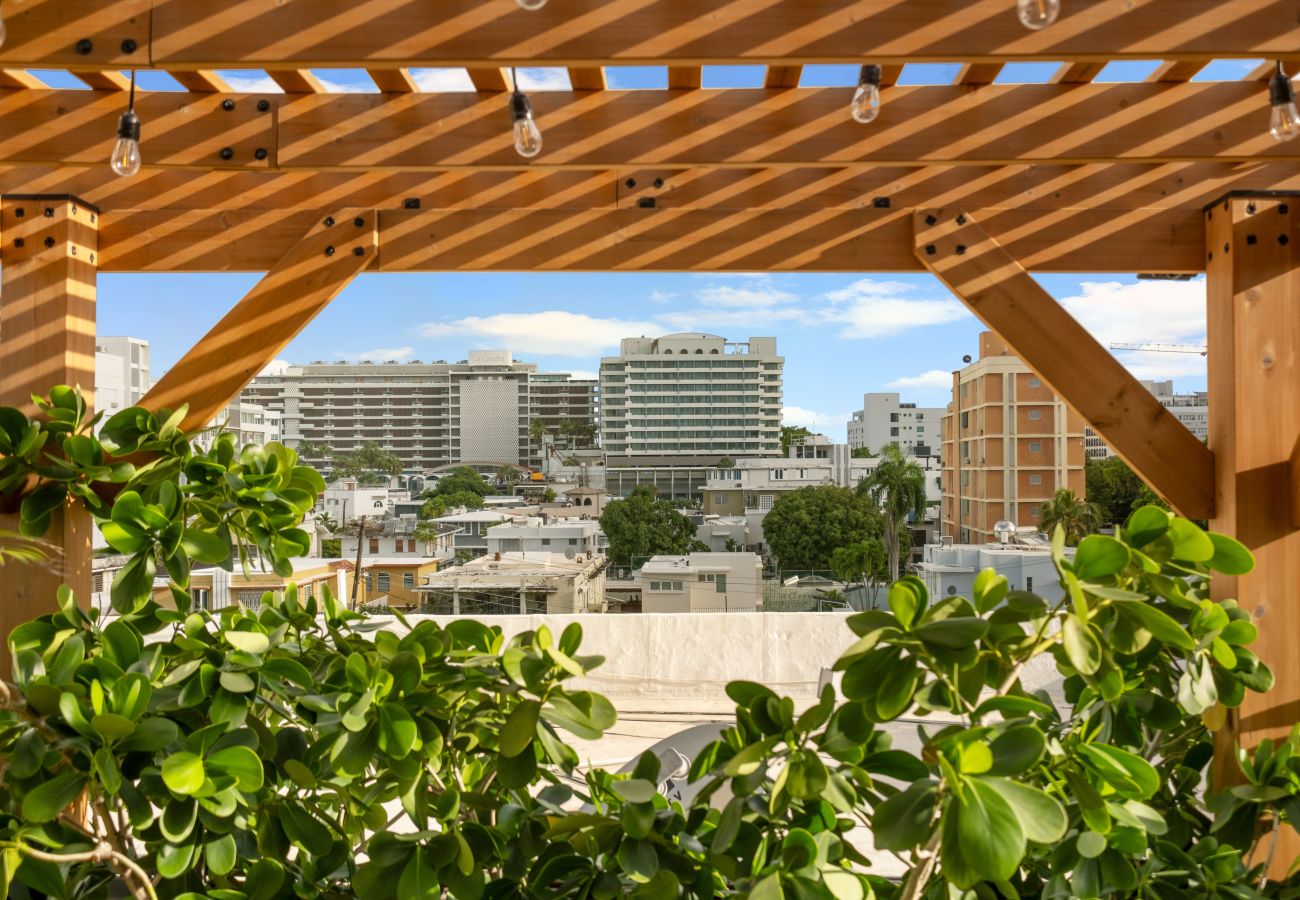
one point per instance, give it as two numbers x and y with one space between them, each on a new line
472 529
949 570
518 584
673 406
121 373
250 423
394 537
1192 409
533 535
427 414
702 582
885 419
347 499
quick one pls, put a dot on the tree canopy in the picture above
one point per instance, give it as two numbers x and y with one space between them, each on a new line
642 524
1076 516
805 527
461 479
897 486
369 463
1116 489
790 434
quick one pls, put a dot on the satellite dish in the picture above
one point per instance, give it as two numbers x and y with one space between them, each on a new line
966 358
1003 531
570 553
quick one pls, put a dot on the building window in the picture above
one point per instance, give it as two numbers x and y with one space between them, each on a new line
1035 479
1035 447
720 584
765 501
1029 582
893 417
665 585
893 432
374 545
1034 382
965 420
1035 415
408 580
383 582
546 542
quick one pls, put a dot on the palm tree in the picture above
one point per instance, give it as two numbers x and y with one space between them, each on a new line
1076 516
897 486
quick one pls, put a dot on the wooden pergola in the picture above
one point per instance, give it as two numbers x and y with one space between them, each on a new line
979 183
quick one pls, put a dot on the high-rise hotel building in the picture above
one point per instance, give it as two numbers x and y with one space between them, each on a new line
672 407
427 414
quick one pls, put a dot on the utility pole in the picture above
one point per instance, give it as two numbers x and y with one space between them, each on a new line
356 577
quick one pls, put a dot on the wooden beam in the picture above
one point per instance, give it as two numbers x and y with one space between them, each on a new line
393 81
490 80
1029 123
978 73
1078 73
98 80
1294 471
827 240
588 78
686 78
385 33
201 81
1254 383
783 76
991 281
297 81
302 283
18 79
1176 72
47 338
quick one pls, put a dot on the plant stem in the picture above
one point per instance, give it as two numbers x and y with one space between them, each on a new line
102 852
920 876
1272 848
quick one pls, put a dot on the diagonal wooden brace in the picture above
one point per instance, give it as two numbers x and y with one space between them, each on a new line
300 285
1159 448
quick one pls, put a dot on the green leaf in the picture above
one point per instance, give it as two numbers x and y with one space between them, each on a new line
219 854
237 682
905 601
1090 844
305 830
1041 816
896 689
768 888
242 764
808 775
44 802
1165 628
1016 750
1081 645
1191 544
173 860
183 773
635 790
1145 525
205 546
992 841
249 641
903 821
1230 556
1129 774
150 735
520 728
956 633
582 713
728 825
989 589
1099 556
107 771
638 859
27 755
397 730
112 727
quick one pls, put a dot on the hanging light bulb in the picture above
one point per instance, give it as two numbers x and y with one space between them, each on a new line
528 137
1036 14
126 152
531 5
1284 122
866 99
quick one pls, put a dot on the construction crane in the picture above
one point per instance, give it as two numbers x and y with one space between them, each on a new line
1162 348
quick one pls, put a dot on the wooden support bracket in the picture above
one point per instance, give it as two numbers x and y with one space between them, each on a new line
1294 469
291 294
994 285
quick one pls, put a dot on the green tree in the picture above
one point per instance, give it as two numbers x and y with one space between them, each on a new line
804 527
507 476
726 463
438 505
863 453
461 479
548 495
369 464
1076 517
897 486
642 524
864 562
790 434
331 548
1116 489
328 522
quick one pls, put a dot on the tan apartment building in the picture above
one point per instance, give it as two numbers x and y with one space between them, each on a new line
1008 444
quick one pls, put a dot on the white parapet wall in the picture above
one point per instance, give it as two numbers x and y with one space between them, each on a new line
666 656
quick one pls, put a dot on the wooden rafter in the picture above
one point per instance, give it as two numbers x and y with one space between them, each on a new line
490 79
783 76
393 81
102 80
389 33
684 77
296 81
200 81
12 79
989 279
978 73
588 78
1176 72
1078 72
677 129
311 273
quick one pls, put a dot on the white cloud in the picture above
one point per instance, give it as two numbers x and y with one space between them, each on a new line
663 296
797 415
253 84
873 309
933 380
1165 312
442 80
550 333
339 87
765 297
379 354
549 79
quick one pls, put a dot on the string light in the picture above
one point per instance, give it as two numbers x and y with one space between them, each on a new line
866 99
528 137
1036 14
125 160
531 5
1284 121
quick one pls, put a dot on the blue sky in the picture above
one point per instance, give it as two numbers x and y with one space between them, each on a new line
841 335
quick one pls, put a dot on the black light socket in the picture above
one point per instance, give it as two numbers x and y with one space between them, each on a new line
870 74
1280 91
129 126
520 106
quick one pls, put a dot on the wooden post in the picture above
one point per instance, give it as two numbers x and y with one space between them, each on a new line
1253 260
47 338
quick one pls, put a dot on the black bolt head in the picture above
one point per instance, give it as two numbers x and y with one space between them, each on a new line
18 242
329 251
49 212
1283 208
646 202
1283 239
961 249
961 220
659 183
84 46
20 212
411 203
49 242
930 250
358 251
329 221
74 251
1251 240
263 105
92 257
630 183
1250 209
227 153
259 153
359 222
880 202
227 105
1225 249
930 220
129 46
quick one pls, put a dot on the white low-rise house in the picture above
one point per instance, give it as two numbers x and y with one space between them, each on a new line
347 499
949 570
724 534
702 582
533 535
472 528
518 584
395 536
